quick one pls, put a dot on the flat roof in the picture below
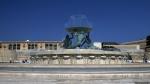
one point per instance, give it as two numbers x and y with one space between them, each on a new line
28 41
137 41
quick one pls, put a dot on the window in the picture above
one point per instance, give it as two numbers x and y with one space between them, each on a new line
35 46
32 46
46 46
18 46
14 46
50 45
0 45
10 47
29 46
55 47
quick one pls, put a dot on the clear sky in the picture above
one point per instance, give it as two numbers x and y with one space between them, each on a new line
112 20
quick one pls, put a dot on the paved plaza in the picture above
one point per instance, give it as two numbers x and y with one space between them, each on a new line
77 74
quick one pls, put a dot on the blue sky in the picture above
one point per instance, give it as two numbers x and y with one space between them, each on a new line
112 20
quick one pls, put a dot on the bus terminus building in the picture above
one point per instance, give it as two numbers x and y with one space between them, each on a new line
76 48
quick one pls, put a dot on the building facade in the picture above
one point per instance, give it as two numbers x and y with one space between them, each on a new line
29 45
20 50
